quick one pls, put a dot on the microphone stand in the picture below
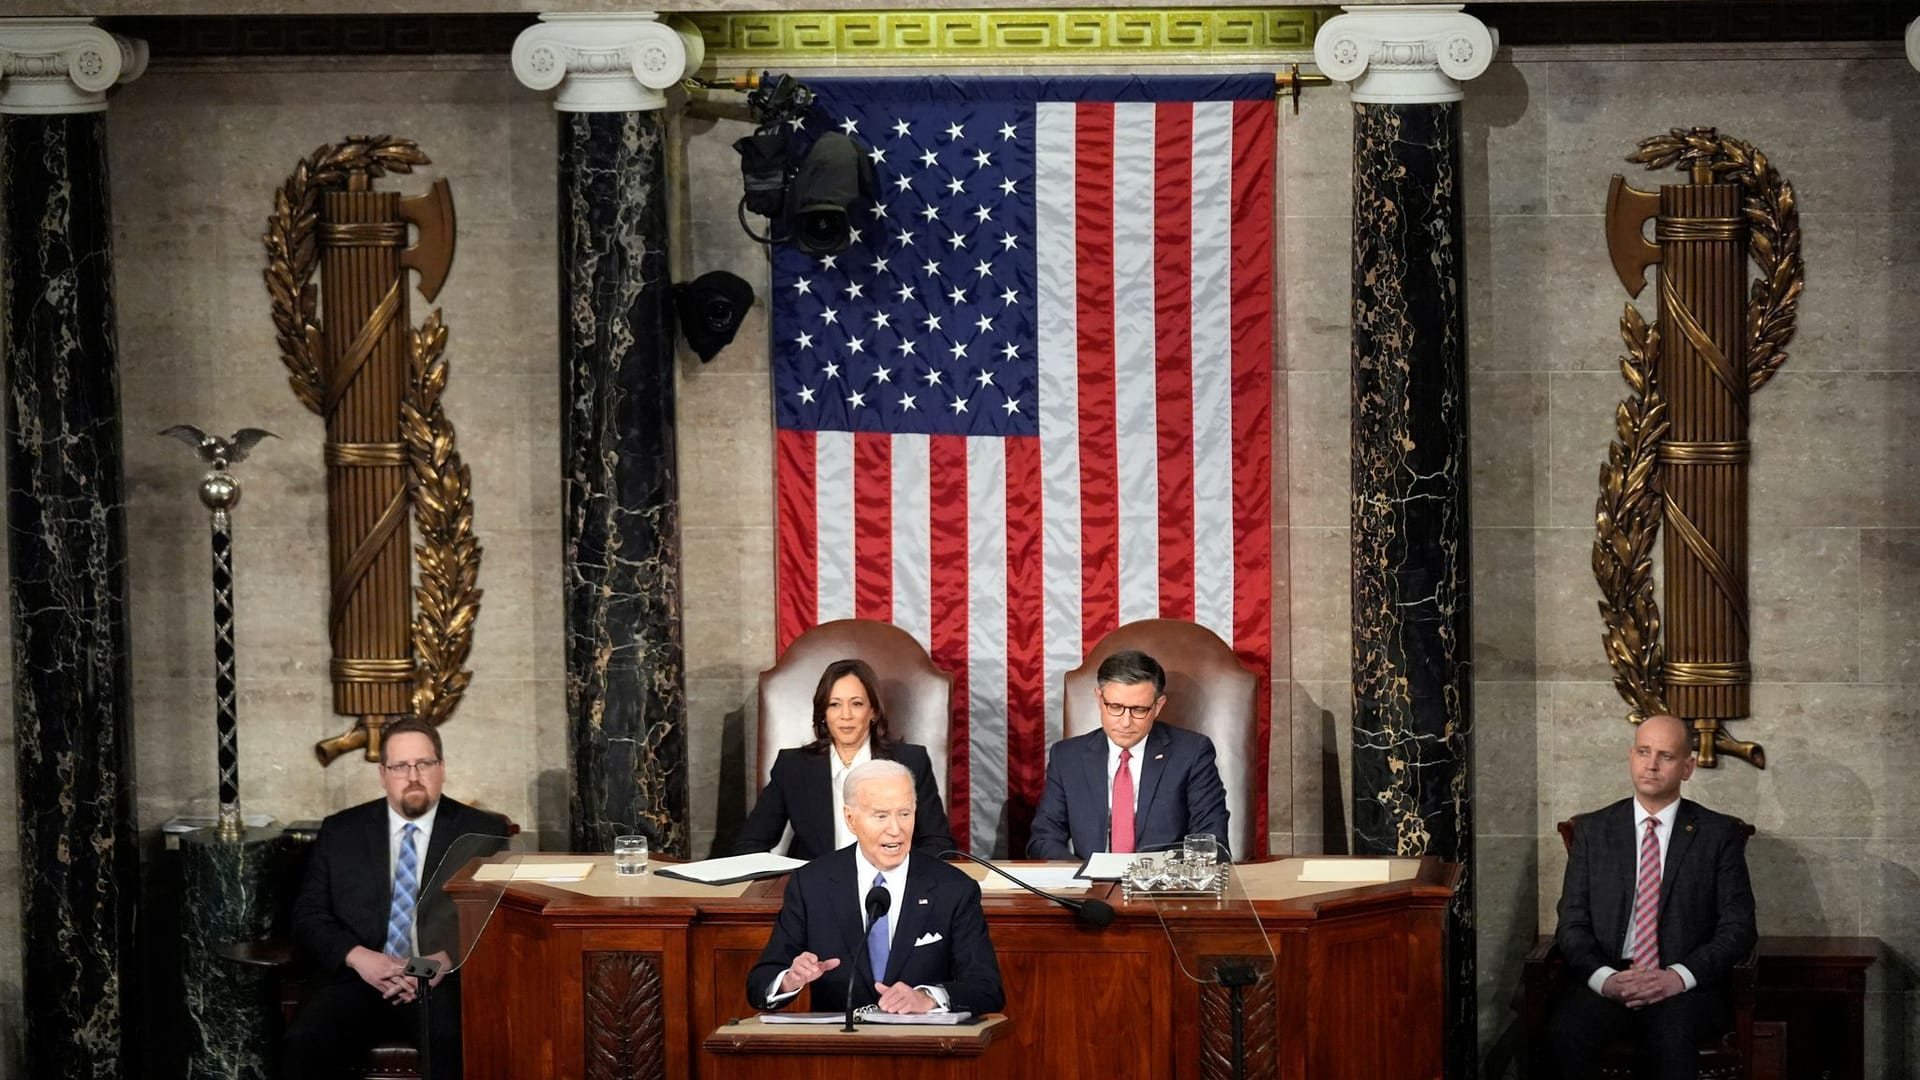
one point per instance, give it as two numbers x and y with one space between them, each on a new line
877 903
423 969
1092 910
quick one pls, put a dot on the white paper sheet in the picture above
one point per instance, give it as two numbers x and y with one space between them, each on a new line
1366 871
733 868
534 871
1108 865
1049 878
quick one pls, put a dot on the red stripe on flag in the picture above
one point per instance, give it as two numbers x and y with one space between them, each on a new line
1026 662
1173 350
948 552
873 526
1099 449
1252 321
798 589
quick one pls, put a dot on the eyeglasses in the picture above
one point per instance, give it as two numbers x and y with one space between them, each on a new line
1138 712
410 768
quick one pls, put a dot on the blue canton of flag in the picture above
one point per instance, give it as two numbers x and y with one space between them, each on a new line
926 323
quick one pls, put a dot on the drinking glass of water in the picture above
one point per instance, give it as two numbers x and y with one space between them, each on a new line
630 854
1201 849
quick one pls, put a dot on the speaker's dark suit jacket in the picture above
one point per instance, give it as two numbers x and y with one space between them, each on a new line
1706 901
348 890
1179 793
821 914
800 792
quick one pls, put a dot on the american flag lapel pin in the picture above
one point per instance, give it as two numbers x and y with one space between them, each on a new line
1159 757
923 899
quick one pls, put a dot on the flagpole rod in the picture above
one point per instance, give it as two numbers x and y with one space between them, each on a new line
1287 84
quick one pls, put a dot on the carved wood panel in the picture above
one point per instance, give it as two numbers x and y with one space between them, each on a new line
1260 1039
626 1032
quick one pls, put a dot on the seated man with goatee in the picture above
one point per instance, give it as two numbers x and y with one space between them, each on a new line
356 917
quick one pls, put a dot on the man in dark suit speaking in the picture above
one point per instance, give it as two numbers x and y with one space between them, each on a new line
927 948
1134 785
357 915
1655 912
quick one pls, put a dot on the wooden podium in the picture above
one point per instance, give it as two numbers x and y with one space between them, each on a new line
645 977
797 1052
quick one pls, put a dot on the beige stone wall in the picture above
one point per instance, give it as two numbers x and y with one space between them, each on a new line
1836 571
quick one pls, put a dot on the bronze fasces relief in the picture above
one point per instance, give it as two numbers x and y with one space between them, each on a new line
398 646
1681 449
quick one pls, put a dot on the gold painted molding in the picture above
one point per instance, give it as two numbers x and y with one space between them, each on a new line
1008 37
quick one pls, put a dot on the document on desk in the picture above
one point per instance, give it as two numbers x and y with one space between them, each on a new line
534 871
1107 865
1048 878
866 1014
760 864
1347 871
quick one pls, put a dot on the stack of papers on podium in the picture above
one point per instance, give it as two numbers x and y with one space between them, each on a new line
534 871
866 1014
735 868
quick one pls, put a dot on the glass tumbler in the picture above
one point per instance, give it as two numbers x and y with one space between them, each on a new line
630 854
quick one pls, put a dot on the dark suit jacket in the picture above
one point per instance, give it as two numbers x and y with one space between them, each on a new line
821 914
348 888
1706 901
1179 793
800 791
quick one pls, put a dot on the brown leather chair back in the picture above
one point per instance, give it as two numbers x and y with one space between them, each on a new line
1208 691
1740 825
916 694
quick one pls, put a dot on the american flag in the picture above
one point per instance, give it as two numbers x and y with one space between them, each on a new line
1032 401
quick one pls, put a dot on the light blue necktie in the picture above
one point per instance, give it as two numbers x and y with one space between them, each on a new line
877 944
406 881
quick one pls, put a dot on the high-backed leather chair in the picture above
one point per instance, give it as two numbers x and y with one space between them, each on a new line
916 695
1208 691
1727 1058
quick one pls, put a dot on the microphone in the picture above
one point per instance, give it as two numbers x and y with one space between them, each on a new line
1092 911
878 901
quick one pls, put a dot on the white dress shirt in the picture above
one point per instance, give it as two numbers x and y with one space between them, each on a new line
396 827
896 886
1663 832
836 772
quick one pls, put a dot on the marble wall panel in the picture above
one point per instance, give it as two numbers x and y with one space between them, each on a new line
1889 631
722 715
1509 721
1322 605
726 451
1504 141
1316 154
1319 432
1803 597
1322 757
1509 455
729 620
1315 283
1506 897
1833 449
1836 135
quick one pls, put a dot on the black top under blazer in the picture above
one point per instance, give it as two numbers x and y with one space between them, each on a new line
1706 900
800 792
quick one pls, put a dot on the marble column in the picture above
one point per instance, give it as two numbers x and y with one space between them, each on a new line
72 679
626 683
229 892
1412 632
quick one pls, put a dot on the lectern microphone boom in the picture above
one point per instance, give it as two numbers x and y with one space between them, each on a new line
1093 911
878 901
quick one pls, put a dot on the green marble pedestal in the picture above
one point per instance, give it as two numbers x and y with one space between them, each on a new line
230 893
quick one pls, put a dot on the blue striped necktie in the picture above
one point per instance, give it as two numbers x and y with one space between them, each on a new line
878 938
406 881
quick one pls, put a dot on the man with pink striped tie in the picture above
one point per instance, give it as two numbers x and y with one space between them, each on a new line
1655 912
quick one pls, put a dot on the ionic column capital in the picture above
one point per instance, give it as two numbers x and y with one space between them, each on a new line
606 63
1404 54
63 65
1913 44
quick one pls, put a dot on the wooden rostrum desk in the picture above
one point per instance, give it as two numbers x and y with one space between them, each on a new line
630 977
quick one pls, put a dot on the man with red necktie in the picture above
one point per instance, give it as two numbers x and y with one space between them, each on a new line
1134 785
1655 912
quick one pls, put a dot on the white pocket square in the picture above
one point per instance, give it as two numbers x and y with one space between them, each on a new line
926 939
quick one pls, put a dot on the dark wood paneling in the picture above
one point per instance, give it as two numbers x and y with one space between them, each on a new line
625 1022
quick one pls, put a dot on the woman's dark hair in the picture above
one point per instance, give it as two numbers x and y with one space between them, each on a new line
880 739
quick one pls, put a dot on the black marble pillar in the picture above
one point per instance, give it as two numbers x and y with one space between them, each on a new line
67 554
230 892
626 696
1412 637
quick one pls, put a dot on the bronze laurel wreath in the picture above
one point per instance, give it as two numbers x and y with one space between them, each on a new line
1628 512
447 600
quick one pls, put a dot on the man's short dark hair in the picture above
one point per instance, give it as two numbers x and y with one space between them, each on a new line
414 726
1131 667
